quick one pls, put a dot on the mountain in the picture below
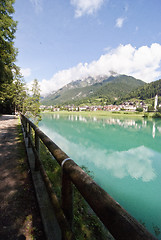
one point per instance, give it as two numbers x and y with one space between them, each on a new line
88 90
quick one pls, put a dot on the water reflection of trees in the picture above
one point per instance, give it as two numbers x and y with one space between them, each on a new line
125 123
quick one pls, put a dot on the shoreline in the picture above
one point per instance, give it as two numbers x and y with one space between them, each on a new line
100 113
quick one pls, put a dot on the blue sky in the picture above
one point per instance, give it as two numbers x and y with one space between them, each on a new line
60 41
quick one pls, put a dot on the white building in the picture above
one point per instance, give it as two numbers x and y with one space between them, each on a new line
156 102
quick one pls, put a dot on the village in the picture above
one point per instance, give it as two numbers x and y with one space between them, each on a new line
130 106
126 106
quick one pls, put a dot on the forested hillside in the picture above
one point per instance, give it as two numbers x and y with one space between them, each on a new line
147 91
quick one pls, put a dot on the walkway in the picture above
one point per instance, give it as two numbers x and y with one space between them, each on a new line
19 214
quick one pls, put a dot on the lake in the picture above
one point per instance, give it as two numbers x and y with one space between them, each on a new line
123 155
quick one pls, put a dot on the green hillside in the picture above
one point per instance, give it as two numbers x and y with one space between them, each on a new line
119 86
147 91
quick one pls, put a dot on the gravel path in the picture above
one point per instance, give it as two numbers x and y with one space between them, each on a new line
19 214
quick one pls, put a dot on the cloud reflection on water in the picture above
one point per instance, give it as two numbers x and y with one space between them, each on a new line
135 162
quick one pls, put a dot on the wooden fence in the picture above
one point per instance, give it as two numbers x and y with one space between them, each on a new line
117 220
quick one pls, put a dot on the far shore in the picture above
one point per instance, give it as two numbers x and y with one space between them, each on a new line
100 113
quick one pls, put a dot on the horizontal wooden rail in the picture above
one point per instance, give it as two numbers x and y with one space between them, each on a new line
116 219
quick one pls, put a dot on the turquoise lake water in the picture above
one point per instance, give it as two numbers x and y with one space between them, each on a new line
124 156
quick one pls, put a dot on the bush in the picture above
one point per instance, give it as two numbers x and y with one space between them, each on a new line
156 115
139 109
116 112
146 115
159 109
150 108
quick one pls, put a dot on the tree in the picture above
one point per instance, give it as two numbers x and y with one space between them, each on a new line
19 91
36 98
150 108
32 103
139 109
7 51
159 109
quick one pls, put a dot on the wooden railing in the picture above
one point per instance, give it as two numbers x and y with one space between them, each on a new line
117 220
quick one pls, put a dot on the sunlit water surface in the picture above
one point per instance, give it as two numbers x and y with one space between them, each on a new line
124 156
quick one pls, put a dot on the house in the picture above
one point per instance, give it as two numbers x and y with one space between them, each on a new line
84 108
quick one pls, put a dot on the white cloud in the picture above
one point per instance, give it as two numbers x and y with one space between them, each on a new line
119 22
86 6
37 5
143 63
26 72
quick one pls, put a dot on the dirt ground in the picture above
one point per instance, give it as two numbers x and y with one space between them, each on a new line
19 212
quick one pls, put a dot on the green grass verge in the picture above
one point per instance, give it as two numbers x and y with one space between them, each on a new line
86 224
122 114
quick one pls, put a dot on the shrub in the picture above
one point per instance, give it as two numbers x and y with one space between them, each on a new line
146 115
156 115
159 109
139 109
150 108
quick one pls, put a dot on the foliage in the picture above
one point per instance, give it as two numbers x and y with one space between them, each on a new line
150 108
7 52
139 109
146 115
86 225
19 91
148 91
159 109
32 103
157 115
52 169
13 95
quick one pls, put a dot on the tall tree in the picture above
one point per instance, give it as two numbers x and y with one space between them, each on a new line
33 103
7 50
19 91
36 98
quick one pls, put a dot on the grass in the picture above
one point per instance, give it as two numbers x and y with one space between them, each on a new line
31 222
122 114
86 224
22 164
